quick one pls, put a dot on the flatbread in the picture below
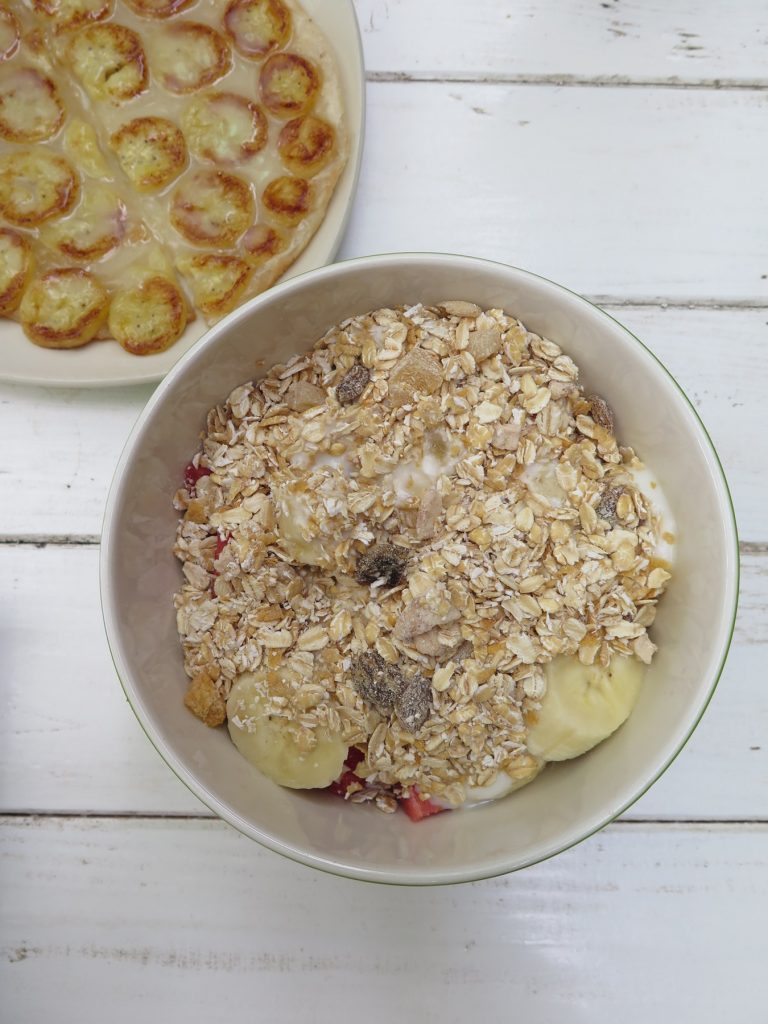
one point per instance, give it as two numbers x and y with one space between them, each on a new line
194 141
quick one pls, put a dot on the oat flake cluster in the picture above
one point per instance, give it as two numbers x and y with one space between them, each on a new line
464 442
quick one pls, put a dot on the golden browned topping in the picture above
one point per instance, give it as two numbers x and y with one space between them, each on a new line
257 27
190 56
109 60
306 144
289 84
158 8
288 199
30 107
9 33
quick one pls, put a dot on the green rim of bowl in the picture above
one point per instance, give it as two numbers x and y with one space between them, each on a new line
339 870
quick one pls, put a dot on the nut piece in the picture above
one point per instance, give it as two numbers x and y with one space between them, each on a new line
302 395
377 682
417 373
601 413
485 342
413 705
383 561
455 307
204 700
352 384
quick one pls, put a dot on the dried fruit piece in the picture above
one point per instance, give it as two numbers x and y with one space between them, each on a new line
601 413
377 682
609 499
455 307
352 384
204 700
422 615
485 342
419 372
383 561
413 704
302 395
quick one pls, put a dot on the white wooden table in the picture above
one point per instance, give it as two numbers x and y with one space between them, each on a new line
618 147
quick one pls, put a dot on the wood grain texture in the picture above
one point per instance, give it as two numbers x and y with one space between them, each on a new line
195 922
616 192
60 447
69 741
627 40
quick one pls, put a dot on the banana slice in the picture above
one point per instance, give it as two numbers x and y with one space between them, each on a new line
36 186
30 107
82 147
257 27
212 208
16 264
110 61
188 56
224 127
583 705
9 34
269 743
93 230
288 199
217 280
67 14
148 318
289 84
151 151
64 308
158 8
504 784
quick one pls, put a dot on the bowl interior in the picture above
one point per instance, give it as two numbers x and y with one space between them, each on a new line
567 802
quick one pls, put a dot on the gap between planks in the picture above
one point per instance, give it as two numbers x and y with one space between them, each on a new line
32 818
558 80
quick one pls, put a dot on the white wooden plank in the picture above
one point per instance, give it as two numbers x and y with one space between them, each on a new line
631 40
615 192
638 924
69 741
60 447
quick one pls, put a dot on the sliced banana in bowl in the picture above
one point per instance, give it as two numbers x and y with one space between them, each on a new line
583 705
274 746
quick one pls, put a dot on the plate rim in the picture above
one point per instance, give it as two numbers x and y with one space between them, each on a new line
357 146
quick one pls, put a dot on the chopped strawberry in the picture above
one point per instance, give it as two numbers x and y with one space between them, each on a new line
354 757
343 783
348 778
417 809
221 543
192 474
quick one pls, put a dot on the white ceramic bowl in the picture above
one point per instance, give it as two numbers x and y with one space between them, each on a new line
568 802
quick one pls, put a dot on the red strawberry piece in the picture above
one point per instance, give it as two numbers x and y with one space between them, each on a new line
192 474
354 757
418 809
221 543
342 784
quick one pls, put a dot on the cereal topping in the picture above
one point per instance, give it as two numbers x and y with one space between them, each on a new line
459 446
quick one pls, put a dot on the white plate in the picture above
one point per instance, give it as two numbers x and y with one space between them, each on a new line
106 364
